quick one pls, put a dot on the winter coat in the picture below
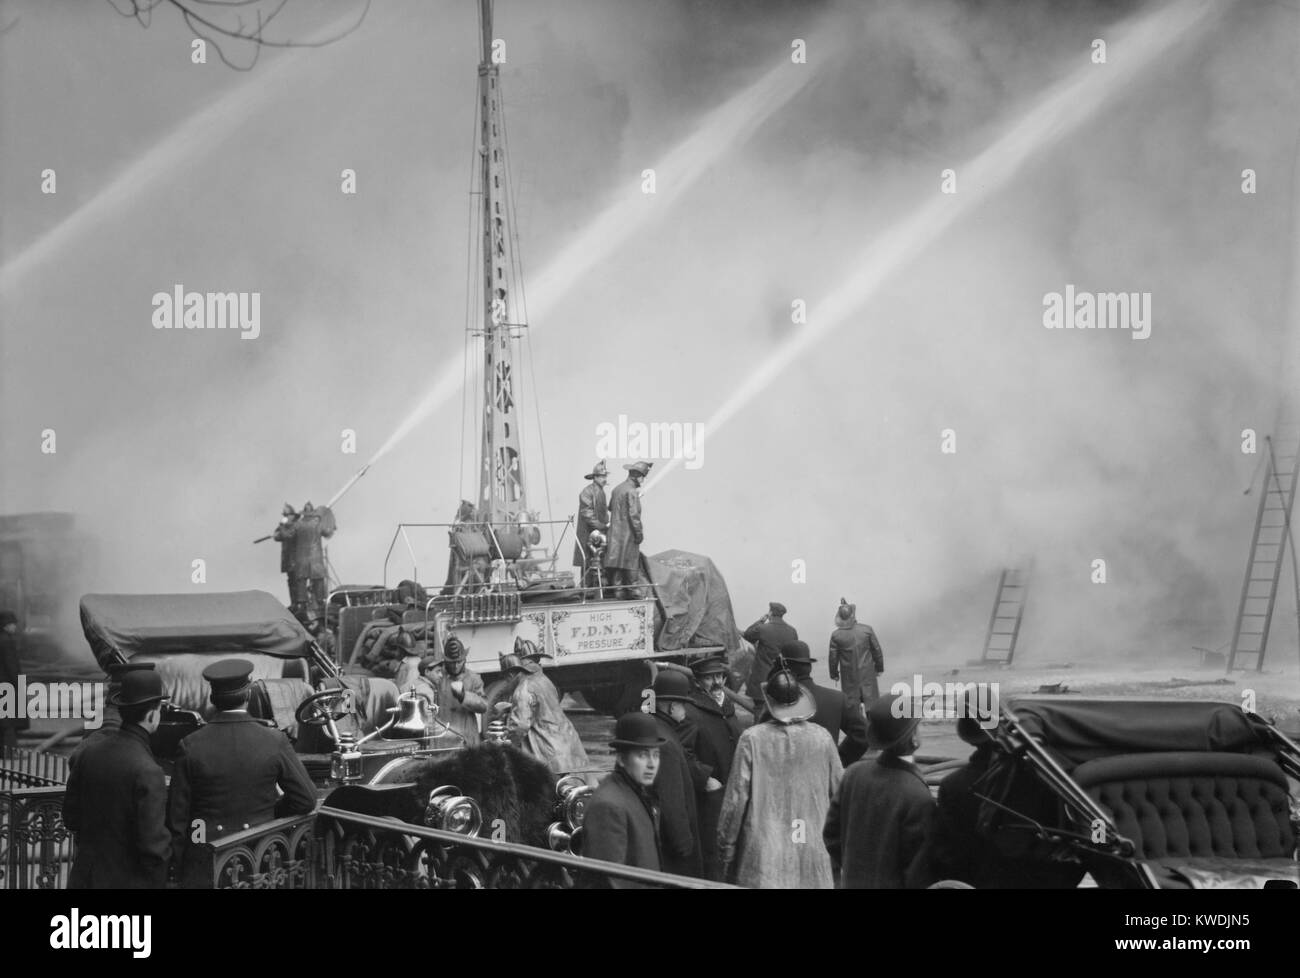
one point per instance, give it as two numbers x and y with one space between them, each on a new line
460 714
303 537
767 638
593 514
837 716
116 802
540 727
855 660
621 825
624 548
878 828
227 775
679 820
782 782
717 733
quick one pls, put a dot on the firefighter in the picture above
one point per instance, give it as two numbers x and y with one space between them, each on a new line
623 554
856 658
302 558
537 721
458 691
593 514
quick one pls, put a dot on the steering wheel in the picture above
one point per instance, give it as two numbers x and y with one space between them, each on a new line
319 709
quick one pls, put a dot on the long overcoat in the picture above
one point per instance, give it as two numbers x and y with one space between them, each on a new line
625 532
593 514
116 802
621 825
878 828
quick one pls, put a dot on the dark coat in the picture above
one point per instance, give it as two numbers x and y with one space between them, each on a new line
593 514
767 638
680 776
878 827
621 825
856 659
10 668
226 775
625 534
305 555
116 802
837 716
717 733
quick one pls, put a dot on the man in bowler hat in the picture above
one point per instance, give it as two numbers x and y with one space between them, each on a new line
228 771
116 798
621 824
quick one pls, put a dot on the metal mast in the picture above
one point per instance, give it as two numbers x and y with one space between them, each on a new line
501 478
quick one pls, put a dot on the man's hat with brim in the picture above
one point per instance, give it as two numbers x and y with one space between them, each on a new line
636 731
228 676
641 468
453 649
511 663
140 687
776 608
710 666
797 651
969 728
885 730
671 685
787 700
598 469
116 670
529 651
847 615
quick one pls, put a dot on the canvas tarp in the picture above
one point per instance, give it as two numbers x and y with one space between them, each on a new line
697 607
203 624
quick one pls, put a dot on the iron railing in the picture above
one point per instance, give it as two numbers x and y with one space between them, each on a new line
31 769
330 849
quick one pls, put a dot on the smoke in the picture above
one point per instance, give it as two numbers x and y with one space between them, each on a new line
1071 446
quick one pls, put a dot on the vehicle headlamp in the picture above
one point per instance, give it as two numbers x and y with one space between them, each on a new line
573 794
449 810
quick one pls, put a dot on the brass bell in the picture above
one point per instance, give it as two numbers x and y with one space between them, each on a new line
412 721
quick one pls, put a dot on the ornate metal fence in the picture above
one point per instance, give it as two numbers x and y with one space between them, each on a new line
35 846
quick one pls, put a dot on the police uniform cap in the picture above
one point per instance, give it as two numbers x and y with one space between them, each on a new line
710 666
228 675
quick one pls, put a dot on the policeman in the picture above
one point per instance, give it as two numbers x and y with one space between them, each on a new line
226 776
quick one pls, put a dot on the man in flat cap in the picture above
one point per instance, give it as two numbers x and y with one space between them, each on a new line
537 722
116 797
621 824
10 668
623 552
458 691
593 514
767 635
228 771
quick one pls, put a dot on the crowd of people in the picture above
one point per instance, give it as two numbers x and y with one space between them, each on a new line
821 791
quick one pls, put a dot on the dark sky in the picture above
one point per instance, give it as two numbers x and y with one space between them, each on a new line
174 445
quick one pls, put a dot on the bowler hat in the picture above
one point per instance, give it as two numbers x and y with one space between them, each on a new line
636 731
641 468
139 687
969 727
787 700
797 651
228 676
116 670
710 666
597 469
886 730
672 685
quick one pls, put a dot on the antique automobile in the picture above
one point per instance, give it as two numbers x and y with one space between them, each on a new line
381 746
1141 794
